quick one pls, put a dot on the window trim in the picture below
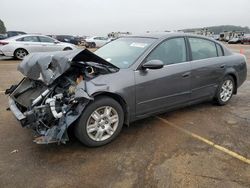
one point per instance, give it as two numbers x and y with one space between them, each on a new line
190 49
222 50
20 39
174 37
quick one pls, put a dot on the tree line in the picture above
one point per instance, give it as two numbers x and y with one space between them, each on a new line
2 27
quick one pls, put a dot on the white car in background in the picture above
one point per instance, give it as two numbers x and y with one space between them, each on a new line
97 41
22 45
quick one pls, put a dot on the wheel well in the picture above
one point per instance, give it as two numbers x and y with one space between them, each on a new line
235 82
120 100
67 48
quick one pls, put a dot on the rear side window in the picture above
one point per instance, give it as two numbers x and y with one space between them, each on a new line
219 49
202 48
170 51
29 39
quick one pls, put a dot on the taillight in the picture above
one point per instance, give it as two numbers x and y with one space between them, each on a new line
3 43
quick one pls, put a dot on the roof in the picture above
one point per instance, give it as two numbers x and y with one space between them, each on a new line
162 35
24 35
156 35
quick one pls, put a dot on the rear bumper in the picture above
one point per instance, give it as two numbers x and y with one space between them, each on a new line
6 53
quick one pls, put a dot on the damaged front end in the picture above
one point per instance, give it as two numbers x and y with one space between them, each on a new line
54 91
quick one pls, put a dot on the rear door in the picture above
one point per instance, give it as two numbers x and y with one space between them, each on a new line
160 89
207 67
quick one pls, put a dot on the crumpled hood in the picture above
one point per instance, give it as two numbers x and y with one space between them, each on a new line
50 65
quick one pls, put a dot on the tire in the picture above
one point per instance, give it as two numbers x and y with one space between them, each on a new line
93 45
225 90
20 53
67 48
94 128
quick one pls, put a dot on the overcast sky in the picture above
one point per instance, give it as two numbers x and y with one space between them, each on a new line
99 17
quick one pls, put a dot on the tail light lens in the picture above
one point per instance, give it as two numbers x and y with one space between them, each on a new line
3 43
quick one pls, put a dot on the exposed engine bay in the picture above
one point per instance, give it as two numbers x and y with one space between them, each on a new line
54 93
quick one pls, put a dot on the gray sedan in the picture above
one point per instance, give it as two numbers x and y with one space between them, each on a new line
125 80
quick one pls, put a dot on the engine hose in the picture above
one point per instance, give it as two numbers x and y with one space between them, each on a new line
52 104
39 98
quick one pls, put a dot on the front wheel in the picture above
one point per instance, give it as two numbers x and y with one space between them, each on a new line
20 53
225 90
100 123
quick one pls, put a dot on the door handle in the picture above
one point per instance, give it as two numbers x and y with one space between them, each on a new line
186 74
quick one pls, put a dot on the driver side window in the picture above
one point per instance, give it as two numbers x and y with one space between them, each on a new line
170 51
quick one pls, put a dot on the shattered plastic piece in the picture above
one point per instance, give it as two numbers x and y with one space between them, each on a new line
14 151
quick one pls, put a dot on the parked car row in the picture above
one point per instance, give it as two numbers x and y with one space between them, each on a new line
237 39
245 40
18 44
68 39
90 42
9 34
240 40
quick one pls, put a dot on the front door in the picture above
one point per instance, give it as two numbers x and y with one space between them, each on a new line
160 89
49 44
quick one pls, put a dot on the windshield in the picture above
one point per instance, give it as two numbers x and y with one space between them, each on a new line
123 52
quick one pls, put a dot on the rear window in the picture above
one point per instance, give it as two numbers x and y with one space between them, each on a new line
202 48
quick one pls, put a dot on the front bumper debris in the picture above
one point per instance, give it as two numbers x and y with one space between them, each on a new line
17 113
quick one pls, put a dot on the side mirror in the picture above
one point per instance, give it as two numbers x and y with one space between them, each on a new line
153 64
56 42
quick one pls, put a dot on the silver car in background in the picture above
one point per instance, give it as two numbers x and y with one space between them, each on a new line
97 41
22 45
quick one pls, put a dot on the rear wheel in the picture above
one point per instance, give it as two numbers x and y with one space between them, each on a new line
100 123
225 90
20 53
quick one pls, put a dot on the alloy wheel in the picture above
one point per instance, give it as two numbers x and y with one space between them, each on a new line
21 53
226 90
102 123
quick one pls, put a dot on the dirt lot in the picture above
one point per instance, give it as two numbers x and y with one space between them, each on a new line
179 152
